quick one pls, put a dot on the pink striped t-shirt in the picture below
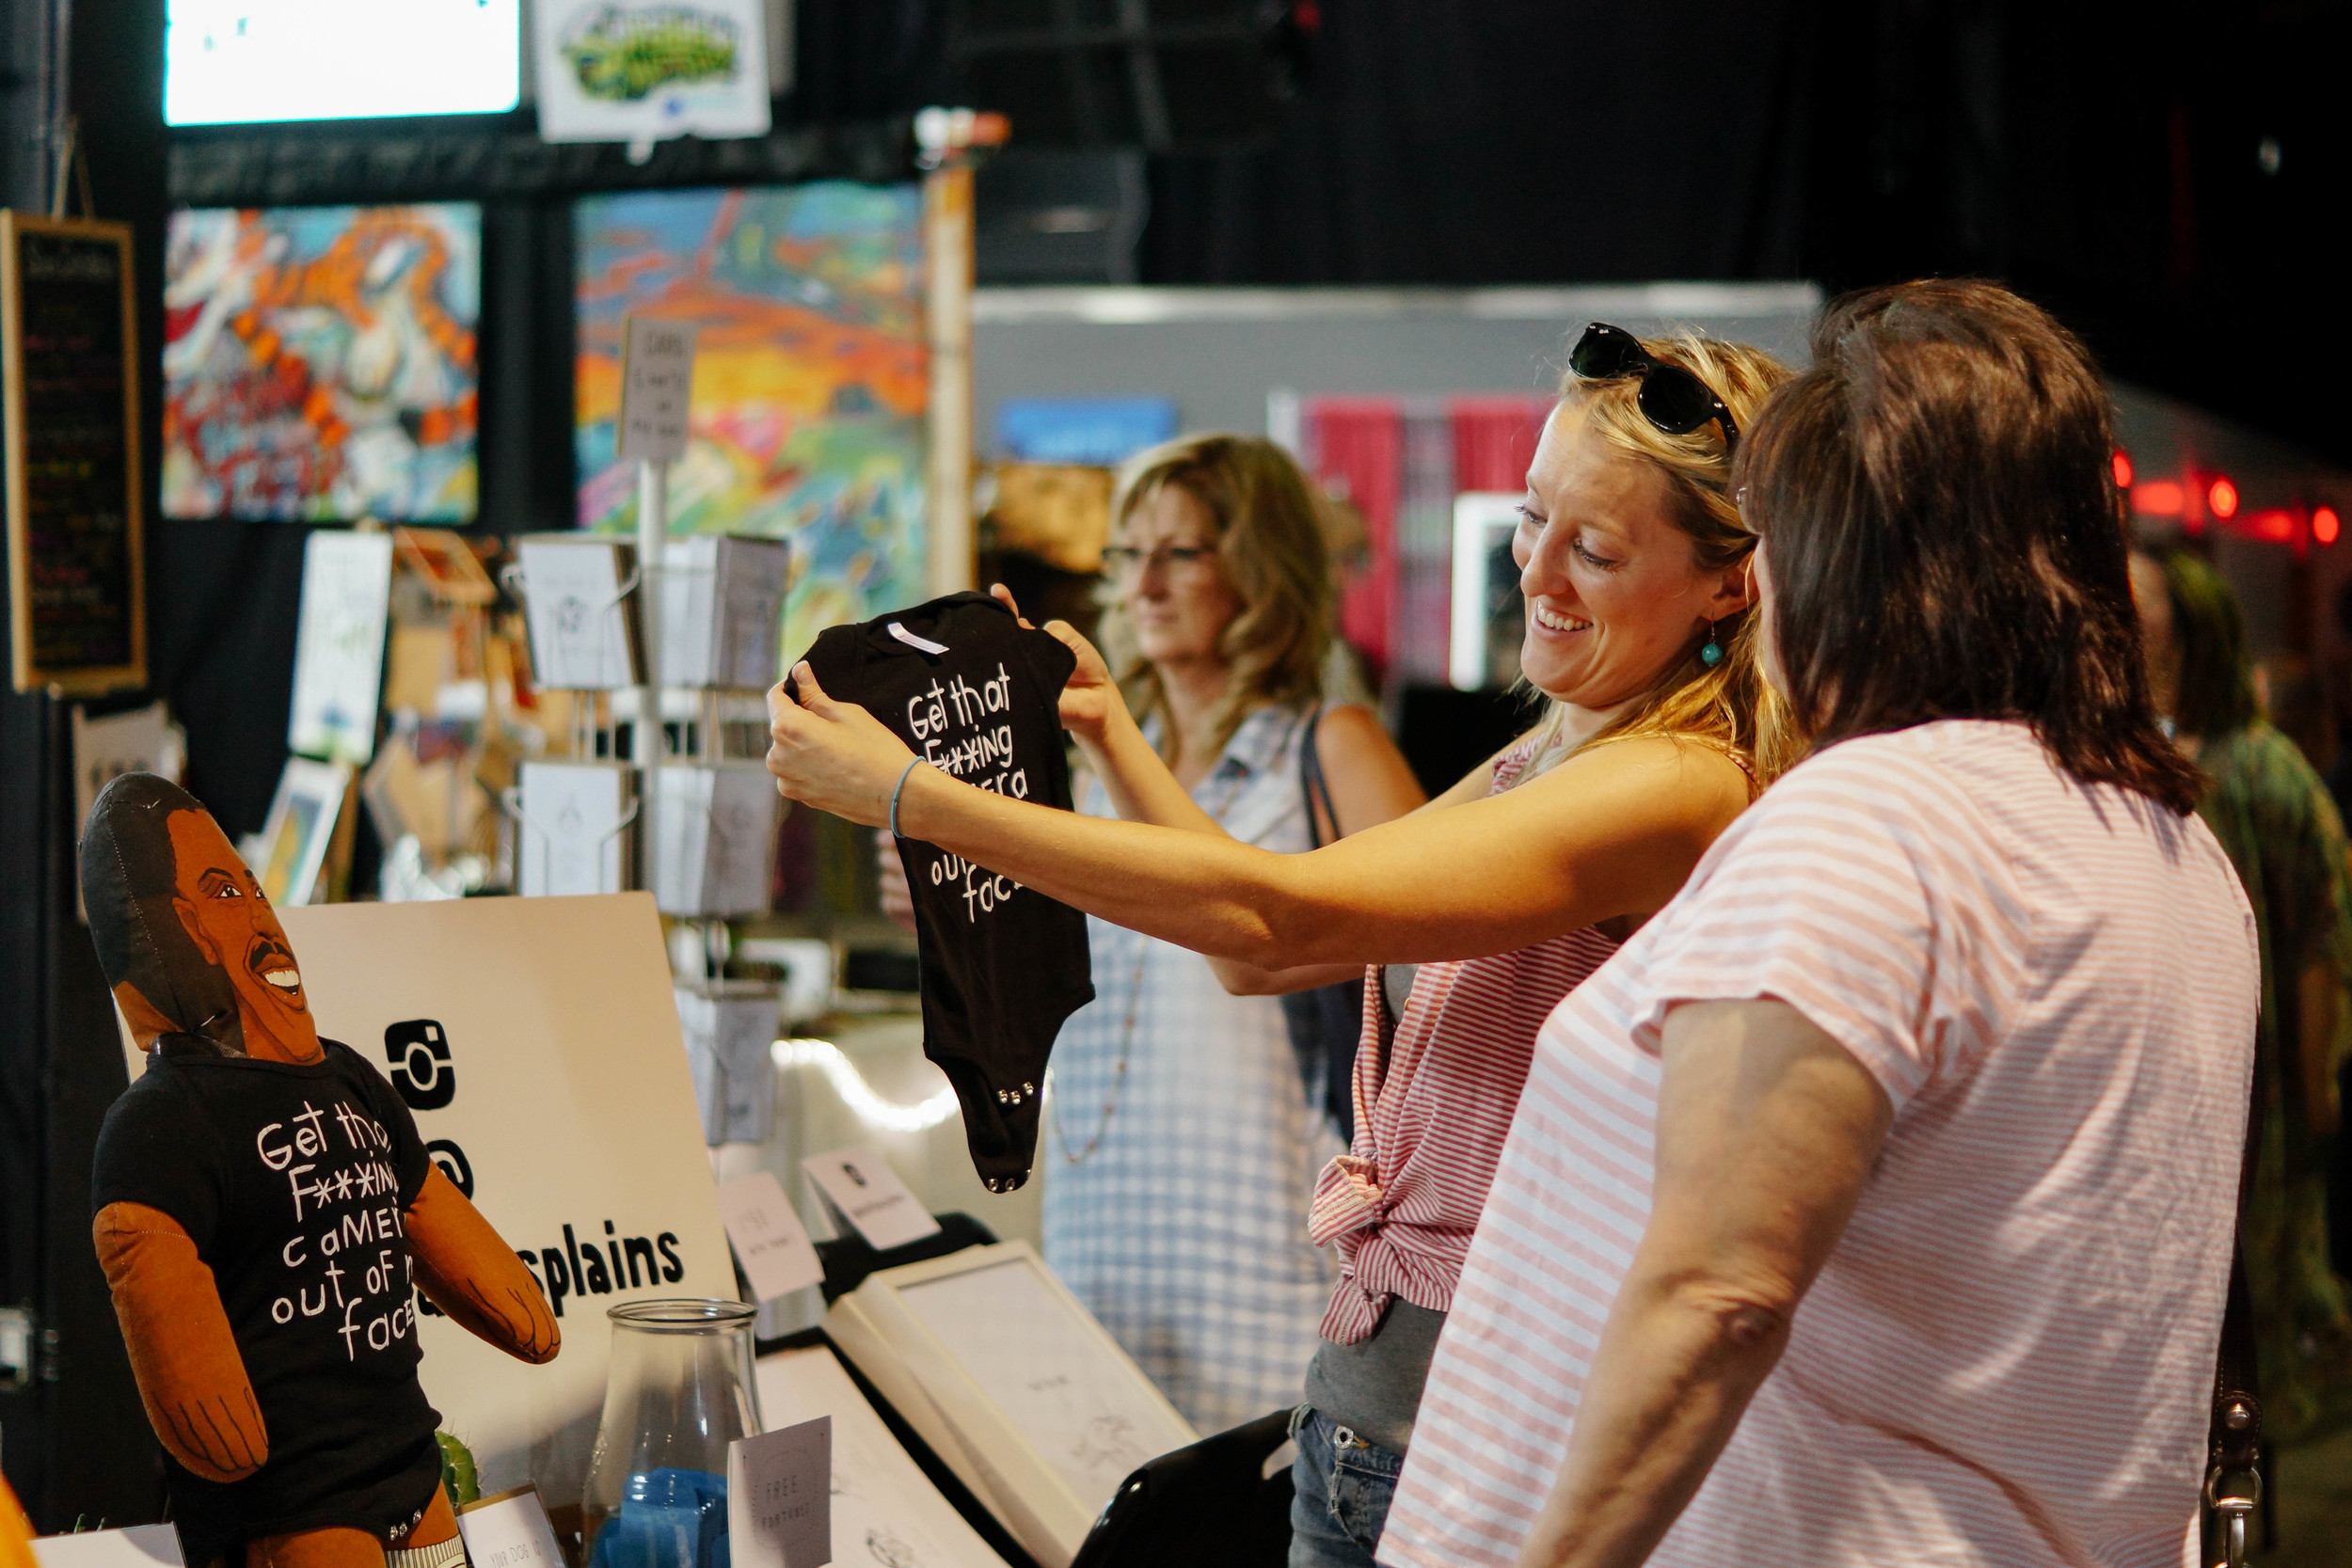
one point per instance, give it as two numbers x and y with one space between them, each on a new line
2008 1357
1431 1116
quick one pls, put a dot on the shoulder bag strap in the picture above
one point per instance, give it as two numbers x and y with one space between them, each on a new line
1312 785
2234 1482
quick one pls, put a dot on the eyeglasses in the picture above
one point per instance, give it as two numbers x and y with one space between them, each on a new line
1120 560
1670 397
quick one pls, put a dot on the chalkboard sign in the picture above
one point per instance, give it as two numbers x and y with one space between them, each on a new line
68 398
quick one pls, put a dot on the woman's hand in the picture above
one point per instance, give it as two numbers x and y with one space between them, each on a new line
830 754
1090 695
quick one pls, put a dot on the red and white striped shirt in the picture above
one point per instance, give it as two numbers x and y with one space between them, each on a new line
2008 1357
1431 1118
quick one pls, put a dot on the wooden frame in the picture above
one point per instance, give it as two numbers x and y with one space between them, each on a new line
897 1328
84 680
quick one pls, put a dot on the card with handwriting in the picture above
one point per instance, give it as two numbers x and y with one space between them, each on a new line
770 1240
138 1546
509 1530
869 1194
780 1497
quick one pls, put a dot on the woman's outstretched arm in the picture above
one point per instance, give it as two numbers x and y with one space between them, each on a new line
1611 833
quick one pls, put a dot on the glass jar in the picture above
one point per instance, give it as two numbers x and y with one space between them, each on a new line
678 1391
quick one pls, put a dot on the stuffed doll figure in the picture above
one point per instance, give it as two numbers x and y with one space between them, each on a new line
265 1215
16 1531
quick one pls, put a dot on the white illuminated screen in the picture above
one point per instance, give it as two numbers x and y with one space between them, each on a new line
235 61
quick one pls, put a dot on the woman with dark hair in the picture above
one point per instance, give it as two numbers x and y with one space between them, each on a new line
1947 1038
1505 891
2273 815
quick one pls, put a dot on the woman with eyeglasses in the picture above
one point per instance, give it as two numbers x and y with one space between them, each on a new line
1505 892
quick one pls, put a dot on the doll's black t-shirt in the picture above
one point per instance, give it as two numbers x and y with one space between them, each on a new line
294 1181
978 697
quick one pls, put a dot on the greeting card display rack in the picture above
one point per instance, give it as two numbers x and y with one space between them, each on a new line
668 647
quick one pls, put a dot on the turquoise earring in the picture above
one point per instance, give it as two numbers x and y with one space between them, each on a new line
1712 653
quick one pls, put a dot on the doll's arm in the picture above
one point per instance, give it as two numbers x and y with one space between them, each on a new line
191 1377
16 1531
467 1271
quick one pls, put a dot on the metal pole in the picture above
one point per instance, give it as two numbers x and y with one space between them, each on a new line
948 289
653 530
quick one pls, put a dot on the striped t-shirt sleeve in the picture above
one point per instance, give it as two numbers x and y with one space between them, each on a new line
1888 925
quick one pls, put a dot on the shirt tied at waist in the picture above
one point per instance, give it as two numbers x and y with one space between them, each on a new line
1379 1258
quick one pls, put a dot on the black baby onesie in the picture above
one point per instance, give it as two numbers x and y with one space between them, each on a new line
978 697
293 1179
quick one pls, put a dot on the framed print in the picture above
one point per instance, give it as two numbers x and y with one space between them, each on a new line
885 1510
808 417
300 826
320 363
1021 1393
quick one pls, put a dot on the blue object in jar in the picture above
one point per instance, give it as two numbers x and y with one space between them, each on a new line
668 1518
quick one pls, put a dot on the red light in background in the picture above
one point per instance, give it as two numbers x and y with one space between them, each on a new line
2221 497
2326 525
2122 462
2159 497
2275 526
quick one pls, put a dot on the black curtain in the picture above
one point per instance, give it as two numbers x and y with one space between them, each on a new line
78 1442
1518 141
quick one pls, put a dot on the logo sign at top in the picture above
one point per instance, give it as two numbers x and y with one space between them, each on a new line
657 386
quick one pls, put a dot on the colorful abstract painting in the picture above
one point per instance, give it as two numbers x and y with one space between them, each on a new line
319 362
810 377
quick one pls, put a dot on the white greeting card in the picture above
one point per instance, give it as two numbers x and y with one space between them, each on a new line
509 1530
574 833
137 1547
729 1027
864 1190
768 1237
717 823
722 610
578 593
338 644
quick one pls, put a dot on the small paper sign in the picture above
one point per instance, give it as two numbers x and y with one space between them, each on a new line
138 1546
657 386
509 1530
780 1497
869 1194
770 1240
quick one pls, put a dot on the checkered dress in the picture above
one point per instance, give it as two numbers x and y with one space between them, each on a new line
1185 1230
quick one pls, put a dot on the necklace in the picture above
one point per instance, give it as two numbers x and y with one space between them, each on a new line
1081 1154
1119 1073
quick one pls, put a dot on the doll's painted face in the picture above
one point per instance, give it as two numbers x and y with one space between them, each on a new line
222 908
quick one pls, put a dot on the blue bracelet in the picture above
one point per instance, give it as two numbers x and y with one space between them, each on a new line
895 791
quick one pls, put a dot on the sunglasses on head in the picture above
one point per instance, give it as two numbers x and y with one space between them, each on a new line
1670 397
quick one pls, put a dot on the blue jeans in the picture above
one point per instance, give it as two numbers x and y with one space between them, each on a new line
1343 1487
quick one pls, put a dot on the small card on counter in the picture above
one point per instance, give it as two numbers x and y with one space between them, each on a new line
865 1191
509 1530
138 1546
780 1497
770 1240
